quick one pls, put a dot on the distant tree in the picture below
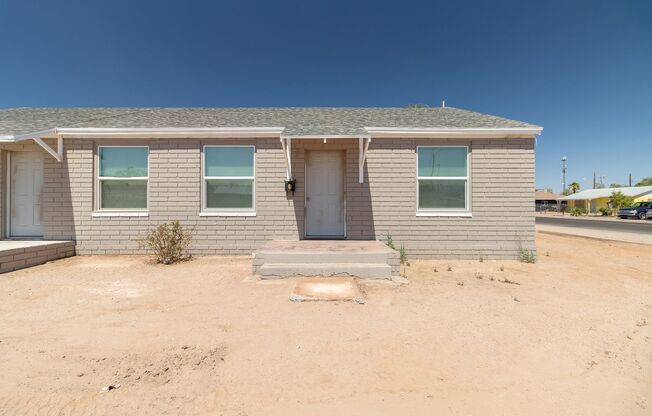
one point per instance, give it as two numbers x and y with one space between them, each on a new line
645 181
615 185
618 200
418 106
574 187
566 192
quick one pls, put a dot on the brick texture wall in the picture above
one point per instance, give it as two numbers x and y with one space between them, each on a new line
502 186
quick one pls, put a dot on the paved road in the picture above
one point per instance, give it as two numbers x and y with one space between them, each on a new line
623 226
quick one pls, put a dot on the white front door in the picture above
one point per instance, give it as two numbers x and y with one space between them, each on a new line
26 181
325 193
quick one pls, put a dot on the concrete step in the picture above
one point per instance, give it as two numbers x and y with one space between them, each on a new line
298 256
362 270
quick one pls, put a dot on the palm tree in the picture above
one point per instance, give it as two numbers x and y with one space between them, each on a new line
574 187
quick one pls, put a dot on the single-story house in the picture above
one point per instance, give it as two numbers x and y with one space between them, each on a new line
443 182
594 199
544 200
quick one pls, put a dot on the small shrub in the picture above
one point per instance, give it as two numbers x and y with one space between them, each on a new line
390 242
450 269
436 270
403 255
502 268
479 276
576 212
605 211
168 242
526 256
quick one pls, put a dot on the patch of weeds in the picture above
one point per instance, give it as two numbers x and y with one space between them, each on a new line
450 269
403 255
641 322
509 282
502 268
390 242
481 259
479 276
547 254
435 269
526 256
460 283
491 278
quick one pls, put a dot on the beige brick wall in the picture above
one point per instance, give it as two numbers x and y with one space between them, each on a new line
502 185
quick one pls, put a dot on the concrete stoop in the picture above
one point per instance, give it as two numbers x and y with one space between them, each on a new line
363 259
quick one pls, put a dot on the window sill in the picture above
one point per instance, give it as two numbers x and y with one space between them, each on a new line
226 214
444 214
100 214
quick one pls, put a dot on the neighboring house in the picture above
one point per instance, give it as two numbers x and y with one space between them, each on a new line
594 199
545 201
444 182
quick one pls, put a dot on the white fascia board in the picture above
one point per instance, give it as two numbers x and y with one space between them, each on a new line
202 132
454 132
40 134
327 136
127 133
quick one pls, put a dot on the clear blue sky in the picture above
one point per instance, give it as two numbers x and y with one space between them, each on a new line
581 69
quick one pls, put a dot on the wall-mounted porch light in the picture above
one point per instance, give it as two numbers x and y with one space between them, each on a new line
290 185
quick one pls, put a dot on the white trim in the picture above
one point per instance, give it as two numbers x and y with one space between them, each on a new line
286 144
362 156
99 179
469 133
465 214
445 212
326 136
98 214
7 201
227 212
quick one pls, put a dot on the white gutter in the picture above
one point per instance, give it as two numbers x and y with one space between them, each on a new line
454 132
92 132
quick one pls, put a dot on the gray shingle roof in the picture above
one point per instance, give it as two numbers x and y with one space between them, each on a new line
297 121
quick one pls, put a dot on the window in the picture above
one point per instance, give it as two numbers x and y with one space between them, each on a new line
122 175
228 179
442 178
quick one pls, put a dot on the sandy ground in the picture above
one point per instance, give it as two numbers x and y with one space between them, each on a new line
573 337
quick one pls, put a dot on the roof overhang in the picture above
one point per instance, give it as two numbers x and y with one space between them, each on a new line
466 133
137 133
275 132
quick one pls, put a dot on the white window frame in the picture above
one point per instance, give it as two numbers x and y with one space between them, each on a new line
445 212
227 212
119 212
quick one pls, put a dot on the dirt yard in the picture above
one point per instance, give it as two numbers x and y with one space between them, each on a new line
570 335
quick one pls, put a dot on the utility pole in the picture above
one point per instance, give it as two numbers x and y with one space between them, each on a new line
630 179
563 173
593 179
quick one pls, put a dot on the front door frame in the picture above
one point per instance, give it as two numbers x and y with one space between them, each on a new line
305 196
8 200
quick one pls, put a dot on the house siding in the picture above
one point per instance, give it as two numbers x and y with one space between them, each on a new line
501 182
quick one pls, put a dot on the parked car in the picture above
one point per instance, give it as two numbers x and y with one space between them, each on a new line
638 210
649 214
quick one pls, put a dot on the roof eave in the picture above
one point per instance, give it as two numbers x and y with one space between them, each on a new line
510 132
130 133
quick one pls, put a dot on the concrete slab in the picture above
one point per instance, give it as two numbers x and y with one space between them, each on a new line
327 289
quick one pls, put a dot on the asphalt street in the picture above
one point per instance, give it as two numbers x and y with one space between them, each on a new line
626 226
